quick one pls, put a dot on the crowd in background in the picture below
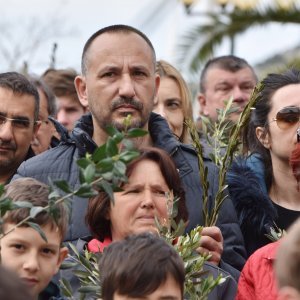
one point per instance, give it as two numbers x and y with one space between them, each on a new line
48 122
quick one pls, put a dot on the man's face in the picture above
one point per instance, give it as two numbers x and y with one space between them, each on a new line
221 85
34 260
69 111
120 80
15 136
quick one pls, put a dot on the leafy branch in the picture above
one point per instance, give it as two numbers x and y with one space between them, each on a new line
223 137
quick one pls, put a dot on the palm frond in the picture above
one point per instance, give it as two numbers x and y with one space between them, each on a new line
227 25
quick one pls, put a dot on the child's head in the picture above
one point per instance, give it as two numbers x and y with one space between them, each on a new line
287 265
23 250
139 266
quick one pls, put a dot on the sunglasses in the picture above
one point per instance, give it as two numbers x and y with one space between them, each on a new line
287 117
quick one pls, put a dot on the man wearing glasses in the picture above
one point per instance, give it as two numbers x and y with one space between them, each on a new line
19 109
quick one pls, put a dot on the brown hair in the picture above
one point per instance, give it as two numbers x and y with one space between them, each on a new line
35 192
99 206
138 265
61 82
165 69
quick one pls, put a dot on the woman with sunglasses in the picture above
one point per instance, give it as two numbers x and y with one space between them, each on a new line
263 187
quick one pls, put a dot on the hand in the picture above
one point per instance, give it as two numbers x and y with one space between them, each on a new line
211 243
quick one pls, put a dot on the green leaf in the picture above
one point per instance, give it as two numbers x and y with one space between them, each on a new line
66 288
22 204
111 147
119 168
1 189
128 144
118 137
63 185
106 164
89 289
111 131
34 211
85 191
89 173
136 132
83 162
99 153
68 265
5 205
128 156
37 227
107 188
74 249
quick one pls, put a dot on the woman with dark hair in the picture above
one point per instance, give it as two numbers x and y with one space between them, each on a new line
263 187
153 180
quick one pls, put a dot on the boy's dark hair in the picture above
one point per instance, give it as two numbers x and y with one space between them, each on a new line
119 28
229 63
138 265
19 84
35 192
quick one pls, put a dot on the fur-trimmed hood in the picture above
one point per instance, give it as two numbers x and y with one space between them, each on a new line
256 213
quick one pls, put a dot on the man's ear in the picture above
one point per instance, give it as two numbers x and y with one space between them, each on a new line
263 137
202 104
80 86
63 252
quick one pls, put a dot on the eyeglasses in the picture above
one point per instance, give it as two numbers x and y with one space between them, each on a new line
16 123
287 117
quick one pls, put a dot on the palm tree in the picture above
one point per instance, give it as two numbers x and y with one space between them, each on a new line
228 25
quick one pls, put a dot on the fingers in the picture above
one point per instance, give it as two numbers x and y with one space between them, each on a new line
214 232
211 243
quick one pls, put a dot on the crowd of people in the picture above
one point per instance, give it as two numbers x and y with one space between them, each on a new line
49 122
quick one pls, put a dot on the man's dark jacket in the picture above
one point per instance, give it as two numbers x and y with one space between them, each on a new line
60 163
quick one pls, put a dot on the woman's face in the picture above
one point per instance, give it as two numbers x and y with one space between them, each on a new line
168 104
142 198
281 142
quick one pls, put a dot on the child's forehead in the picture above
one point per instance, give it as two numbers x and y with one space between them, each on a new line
32 236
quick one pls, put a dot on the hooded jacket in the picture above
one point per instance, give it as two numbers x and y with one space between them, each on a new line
60 163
